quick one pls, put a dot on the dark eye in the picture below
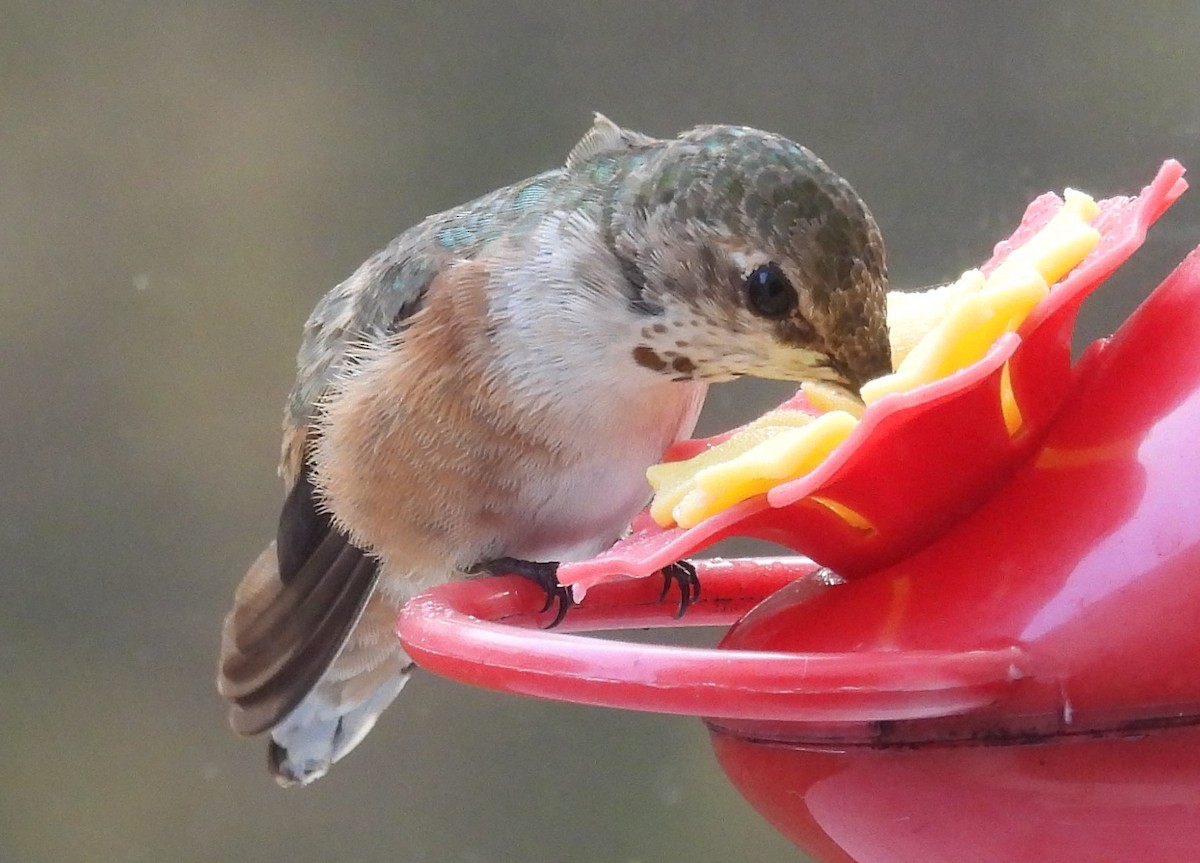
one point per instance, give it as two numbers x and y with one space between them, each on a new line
769 293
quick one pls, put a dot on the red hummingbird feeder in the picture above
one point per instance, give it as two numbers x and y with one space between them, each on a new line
1005 667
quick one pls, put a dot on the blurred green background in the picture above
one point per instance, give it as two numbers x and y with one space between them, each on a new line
180 181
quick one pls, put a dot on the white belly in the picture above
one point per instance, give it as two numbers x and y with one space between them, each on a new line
583 511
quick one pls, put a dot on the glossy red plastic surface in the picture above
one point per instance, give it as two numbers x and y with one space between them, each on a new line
1129 799
1021 685
883 470
1088 561
1044 612
479 632
1069 497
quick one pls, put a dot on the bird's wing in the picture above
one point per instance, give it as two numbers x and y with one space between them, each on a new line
303 595
291 615
301 598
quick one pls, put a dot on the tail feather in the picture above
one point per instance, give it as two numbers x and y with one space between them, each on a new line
291 614
319 732
308 651
265 678
366 677
316 710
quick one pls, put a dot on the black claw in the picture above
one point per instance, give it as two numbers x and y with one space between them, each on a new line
682 573
565 602
544 574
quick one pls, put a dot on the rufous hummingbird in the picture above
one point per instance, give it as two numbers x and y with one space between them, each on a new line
486 393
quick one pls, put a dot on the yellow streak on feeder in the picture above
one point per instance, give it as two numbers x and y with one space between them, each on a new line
911 315
1008 403
1006 298
790 453
845 513
934 334
1058 247
672 480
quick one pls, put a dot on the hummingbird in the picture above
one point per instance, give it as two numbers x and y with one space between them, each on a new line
485 394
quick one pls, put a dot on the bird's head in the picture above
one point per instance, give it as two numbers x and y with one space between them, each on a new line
748 256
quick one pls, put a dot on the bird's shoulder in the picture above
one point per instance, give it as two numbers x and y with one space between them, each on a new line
377 301
380 297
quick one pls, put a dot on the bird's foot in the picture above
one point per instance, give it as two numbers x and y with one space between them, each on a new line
682 573
544 574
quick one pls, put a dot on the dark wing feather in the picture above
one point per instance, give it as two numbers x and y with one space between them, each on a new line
298 603
301 598
293 611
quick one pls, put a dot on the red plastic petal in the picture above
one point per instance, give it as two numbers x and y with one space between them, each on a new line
921 460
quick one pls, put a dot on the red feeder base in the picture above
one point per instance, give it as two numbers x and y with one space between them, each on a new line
1024 688
1113 799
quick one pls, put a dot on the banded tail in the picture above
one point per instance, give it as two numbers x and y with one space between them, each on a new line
308 651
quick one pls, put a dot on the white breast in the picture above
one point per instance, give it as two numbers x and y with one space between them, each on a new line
567 331
583 510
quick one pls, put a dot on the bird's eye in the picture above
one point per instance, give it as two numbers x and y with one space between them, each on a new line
769 293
